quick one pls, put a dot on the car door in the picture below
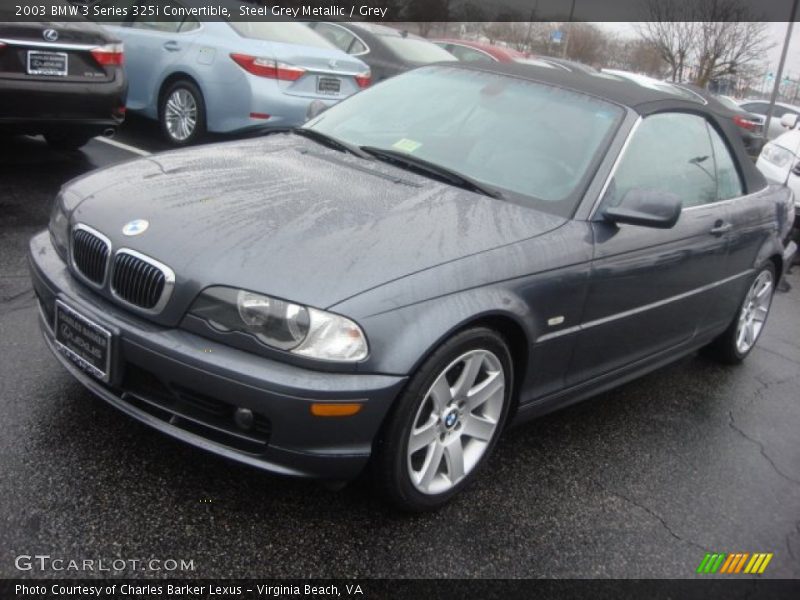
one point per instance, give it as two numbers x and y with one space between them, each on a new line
151 48
650 289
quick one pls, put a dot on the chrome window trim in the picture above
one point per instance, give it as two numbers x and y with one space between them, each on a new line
166 293
478 50
640 309
74 267
614 168
49 45
355 35
621 155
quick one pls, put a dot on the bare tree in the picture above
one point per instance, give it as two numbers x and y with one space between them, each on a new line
589 44
716 38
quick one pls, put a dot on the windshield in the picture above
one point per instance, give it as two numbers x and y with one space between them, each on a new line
532 142
285 32
416 50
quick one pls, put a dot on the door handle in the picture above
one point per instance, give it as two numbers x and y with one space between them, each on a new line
720 228
172 46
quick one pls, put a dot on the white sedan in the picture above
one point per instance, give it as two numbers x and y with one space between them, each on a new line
779 161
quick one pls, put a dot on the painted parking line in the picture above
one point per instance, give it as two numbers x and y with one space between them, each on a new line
122 146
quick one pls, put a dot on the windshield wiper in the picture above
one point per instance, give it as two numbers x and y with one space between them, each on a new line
429 168
330 141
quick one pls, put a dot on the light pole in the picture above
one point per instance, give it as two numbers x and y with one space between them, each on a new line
569 27
779 73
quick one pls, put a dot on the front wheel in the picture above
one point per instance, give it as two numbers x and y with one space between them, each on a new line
447 421
182 113
740 337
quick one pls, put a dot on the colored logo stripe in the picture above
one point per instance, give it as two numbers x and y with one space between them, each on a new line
739 562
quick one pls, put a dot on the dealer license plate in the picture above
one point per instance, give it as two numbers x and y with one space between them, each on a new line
83 341
329 85
47 63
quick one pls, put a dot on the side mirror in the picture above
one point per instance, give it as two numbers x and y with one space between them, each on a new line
647 208
315 109
789 120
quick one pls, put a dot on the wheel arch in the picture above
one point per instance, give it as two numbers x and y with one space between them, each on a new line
172 78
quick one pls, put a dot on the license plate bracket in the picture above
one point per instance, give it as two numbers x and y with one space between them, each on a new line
84 342
47 63
329 85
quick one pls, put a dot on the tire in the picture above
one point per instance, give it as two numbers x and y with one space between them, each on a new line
733 345
443 423
182 113
67 141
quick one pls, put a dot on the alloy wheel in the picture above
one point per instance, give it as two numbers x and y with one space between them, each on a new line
754 312
456 421
180 114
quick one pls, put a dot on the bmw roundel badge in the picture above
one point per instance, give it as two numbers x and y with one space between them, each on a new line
135 227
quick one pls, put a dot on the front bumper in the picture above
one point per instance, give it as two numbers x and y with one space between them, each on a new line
189 387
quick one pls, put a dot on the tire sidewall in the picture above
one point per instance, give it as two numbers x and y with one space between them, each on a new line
200 125
393 444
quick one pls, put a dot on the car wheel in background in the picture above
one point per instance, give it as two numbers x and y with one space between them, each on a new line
742 334
446 423
67 141
182 113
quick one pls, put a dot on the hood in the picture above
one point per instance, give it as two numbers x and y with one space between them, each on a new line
287 217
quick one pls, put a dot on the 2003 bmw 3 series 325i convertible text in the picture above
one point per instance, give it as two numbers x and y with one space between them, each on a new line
452 250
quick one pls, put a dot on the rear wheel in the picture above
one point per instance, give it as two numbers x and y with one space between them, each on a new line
447 421
739 339
182 113
67 141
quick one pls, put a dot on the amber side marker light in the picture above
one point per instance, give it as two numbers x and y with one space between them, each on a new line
335 409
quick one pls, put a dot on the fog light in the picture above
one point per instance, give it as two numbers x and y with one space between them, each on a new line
244 418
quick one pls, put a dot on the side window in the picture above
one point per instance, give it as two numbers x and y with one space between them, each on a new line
669 152
755 107
338 36
189 24
729 184
162 26
357 47
468 54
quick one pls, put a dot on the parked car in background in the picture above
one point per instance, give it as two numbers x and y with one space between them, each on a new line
458 248
746 125
761 107
751 125
469 51
558 63
386 50
61 80
779 161
235 76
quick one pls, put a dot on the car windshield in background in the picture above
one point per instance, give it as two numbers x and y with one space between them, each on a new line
415 50
286 33
531 142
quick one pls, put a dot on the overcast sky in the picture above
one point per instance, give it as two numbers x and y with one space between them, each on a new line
776 33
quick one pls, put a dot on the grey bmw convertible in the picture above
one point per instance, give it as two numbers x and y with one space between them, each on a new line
455 250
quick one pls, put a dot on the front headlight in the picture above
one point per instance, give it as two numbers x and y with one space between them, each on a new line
59 227
777 155
283 325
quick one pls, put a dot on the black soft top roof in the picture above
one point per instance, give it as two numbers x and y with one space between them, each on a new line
643 98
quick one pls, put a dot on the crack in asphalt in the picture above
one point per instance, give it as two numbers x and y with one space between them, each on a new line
12 297
653 514
732 424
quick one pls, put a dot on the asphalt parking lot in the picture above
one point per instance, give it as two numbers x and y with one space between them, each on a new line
638 482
